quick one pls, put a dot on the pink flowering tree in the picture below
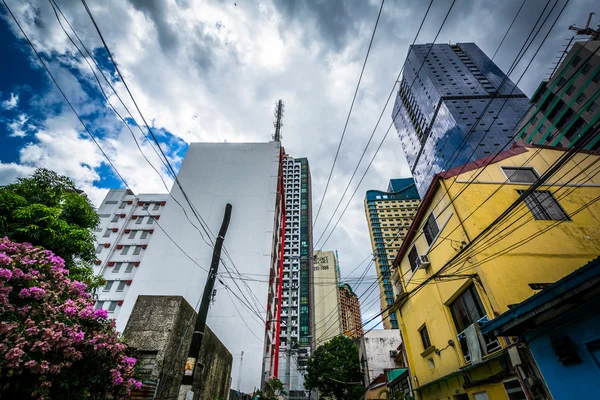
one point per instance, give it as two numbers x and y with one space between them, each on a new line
53 344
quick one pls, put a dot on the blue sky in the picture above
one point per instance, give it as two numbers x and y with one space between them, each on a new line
213 70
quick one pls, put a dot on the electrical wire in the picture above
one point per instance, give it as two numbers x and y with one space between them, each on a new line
349 112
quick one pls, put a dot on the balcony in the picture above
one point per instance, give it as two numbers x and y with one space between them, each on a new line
475 345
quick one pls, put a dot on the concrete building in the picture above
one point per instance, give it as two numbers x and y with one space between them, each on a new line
552 232
159 329
566 107
558 329
389 215
250 177
296 318
444 91
127 223
328 320
379 351
351 316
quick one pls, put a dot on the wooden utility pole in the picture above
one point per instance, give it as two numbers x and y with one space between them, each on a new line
192 362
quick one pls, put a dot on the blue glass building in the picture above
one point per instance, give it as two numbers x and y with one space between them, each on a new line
443 91
389 214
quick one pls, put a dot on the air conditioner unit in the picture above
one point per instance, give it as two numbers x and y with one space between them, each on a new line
423 262
393 353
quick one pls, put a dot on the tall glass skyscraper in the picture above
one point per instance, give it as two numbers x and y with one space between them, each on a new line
443 91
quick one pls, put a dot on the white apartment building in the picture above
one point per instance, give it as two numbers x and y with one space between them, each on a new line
296 312
127 223
246 175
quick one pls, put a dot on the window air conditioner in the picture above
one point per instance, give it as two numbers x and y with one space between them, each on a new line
423 262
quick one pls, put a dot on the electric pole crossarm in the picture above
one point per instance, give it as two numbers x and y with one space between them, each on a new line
191 363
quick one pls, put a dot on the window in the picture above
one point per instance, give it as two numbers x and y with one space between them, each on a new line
112 306
596 77
129 268
561 81
581 98
139 220
430 229
115 218
544 206
150 220
125 250
467 309
137 250
132 234
106 233
575 61
586 68
144 235
156 206
514 390
121 286
117 267
570 90
108 286
425 337
592 108
122 205
520 175
413 255
542 128
145 206
99 249
99 305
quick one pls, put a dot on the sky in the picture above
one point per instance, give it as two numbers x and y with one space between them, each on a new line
211 71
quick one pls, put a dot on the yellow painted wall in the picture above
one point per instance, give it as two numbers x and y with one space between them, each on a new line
500 281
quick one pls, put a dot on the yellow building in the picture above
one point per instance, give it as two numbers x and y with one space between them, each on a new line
389 215
451 278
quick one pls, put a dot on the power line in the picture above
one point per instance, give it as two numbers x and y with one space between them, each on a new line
374 130
388 130
349 112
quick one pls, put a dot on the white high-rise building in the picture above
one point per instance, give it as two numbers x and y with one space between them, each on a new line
296 311
248 176
127 223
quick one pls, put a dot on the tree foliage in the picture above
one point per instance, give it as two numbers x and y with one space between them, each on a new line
53 344
47 210
334 369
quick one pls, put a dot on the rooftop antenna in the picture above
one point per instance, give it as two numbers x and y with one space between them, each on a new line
278 117
594 33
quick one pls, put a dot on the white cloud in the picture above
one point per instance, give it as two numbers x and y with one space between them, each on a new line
11 103
212 71
17 127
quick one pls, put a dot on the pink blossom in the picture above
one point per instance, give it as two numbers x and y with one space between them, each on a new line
44 366
6 274
13 356
24 293
31 364
129 361
100 313
116 377
136 384
70 311
4 259
37 293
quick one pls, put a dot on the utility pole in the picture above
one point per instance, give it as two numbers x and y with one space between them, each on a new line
239 382
278 117
192 362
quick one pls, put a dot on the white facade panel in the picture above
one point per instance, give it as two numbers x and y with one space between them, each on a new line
212 175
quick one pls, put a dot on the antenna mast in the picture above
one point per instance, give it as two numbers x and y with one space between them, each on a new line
278 117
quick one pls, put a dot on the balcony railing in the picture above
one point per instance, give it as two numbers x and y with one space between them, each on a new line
475 344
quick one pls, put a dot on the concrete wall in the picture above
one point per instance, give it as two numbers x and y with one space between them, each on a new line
212 175
576 381
164 324
375 349
328 322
